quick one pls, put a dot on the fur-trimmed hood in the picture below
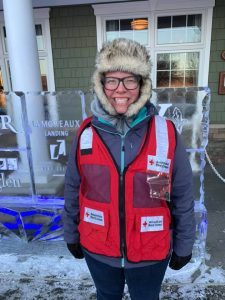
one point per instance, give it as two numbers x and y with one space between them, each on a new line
126 56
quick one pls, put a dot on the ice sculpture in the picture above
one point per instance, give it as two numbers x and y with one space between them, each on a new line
188 108
36 134
15 177
51 132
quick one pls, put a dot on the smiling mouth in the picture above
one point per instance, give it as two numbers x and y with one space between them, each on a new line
121 100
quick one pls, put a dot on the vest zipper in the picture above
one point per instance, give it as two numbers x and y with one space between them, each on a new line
122 203
121 195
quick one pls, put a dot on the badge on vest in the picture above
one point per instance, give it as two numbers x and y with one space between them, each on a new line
154 223
94 216
86 141
158 164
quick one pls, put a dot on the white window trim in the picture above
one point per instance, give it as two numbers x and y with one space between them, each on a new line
154 8
47 52
3 59
124 7
41 16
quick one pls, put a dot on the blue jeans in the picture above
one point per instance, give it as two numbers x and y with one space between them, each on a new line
143 283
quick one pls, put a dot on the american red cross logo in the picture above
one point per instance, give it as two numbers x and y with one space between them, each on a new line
87 214
145 224
151 162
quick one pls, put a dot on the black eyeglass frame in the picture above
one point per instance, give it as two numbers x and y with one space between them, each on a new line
137 77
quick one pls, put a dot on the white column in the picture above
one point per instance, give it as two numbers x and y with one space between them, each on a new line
22 45
25 70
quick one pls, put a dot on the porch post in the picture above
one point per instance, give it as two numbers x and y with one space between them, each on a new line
25 71
22 45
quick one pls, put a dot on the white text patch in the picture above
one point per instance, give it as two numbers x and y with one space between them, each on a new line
154 223
158 164
94 216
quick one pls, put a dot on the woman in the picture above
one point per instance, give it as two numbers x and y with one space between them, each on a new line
128 184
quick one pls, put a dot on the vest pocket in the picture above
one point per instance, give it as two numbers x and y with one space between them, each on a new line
94 225
96 184
150 189
151 235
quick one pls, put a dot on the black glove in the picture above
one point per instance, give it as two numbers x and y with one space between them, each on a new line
76 250
178 262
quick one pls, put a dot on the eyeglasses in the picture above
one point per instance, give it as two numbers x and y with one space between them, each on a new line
130 82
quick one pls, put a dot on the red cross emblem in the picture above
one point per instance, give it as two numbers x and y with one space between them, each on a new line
145 224
87 214
151 162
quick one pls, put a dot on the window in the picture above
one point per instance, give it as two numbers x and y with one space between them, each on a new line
134 29
177 69
179 29
5 40
43 69
39 37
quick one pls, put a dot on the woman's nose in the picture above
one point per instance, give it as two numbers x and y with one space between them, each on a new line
121 87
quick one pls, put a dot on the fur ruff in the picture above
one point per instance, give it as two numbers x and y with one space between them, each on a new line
126 56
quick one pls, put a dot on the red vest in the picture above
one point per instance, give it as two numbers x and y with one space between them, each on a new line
126 214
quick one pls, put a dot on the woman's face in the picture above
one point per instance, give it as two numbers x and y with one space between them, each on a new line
121 98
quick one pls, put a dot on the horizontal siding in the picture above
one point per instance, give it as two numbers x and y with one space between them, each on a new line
217 65
74 44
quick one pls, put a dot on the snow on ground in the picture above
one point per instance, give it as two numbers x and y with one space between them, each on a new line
57 277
